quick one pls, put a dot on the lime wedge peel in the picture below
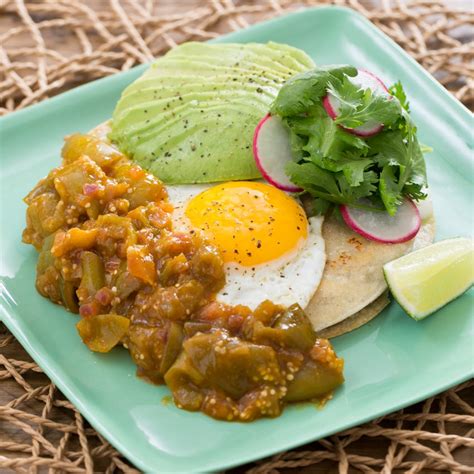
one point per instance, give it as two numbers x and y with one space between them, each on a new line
425 280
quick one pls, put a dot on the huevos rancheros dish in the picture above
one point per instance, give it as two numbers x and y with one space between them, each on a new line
158 229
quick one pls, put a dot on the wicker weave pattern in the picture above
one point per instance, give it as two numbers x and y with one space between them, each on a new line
51 435
96 43
54 45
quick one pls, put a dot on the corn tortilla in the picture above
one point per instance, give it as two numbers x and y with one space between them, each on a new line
353 277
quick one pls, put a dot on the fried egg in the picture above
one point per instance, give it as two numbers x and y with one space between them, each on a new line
271 250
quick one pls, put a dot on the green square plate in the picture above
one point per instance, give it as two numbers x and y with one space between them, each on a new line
390 363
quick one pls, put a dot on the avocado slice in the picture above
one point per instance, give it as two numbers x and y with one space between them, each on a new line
191 116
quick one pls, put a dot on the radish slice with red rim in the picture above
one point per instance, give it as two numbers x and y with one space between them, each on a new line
365 80
272 151
381 226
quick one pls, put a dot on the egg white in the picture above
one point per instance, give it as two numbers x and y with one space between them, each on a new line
292 278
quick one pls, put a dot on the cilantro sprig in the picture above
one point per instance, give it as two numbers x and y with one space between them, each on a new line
335 166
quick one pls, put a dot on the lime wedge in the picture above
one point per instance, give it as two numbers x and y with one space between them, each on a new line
429 278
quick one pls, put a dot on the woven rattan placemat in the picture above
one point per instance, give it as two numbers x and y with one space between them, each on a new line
50 46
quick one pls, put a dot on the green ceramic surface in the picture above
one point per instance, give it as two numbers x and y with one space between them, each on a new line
390 363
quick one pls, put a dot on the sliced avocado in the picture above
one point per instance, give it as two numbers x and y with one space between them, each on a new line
191 116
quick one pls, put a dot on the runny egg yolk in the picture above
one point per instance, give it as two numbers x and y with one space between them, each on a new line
249 222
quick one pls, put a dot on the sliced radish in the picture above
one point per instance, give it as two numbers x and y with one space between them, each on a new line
272 151
380 226
365 80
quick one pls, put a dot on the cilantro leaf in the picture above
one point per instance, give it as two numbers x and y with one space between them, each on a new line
333 187
335 166
397 91
390 188
354 169
320 137
306 89
358 106
399 155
